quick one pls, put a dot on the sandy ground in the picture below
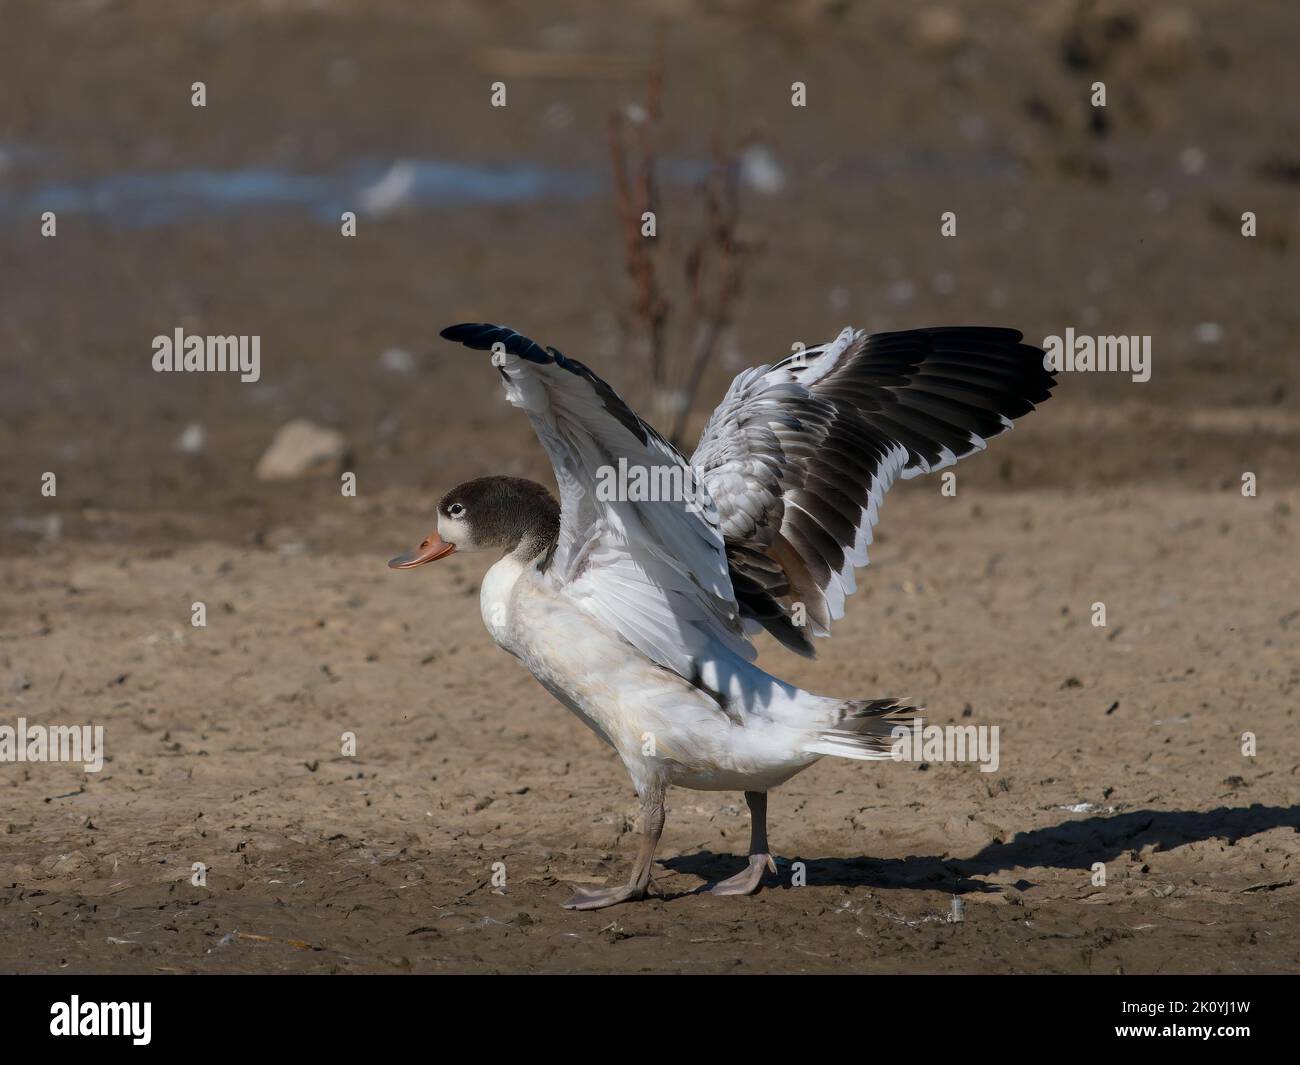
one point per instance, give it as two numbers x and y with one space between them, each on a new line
224 749
224 742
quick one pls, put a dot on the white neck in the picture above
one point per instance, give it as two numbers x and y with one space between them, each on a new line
495 597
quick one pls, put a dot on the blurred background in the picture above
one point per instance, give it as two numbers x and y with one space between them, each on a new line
775 225
225 219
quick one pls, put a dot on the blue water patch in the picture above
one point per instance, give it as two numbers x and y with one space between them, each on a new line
375 188
371 189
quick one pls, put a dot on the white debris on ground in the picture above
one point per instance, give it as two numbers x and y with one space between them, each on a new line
192 439
397 360
760 171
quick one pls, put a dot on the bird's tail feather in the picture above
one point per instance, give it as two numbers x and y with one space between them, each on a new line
863 729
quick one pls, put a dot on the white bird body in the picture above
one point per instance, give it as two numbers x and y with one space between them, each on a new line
664 729
638 613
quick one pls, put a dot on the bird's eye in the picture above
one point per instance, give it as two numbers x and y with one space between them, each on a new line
455 510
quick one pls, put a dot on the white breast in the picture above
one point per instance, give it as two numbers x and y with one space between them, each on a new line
496 600
659 724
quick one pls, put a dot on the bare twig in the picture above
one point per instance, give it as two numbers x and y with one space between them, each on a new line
709 314
636 194
713 262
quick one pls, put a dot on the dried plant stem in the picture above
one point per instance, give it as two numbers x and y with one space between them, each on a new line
713 264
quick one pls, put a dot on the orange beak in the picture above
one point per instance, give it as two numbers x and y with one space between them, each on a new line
432 549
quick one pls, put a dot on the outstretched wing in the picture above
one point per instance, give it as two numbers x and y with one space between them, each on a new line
798 456
652 569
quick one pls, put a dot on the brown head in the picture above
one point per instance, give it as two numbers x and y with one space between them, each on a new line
507 515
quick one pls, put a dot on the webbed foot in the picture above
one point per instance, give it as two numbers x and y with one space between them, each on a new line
746 882
598 898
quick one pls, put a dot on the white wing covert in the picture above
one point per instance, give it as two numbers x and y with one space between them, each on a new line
653 570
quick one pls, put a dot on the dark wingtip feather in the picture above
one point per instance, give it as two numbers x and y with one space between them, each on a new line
790 636
481 336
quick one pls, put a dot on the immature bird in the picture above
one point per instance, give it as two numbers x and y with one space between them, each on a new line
634 598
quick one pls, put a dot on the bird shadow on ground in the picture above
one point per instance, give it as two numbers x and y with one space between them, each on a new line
1071 844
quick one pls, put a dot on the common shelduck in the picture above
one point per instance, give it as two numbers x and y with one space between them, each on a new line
634 598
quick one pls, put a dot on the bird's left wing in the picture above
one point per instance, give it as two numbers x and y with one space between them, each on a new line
798 456
639 546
